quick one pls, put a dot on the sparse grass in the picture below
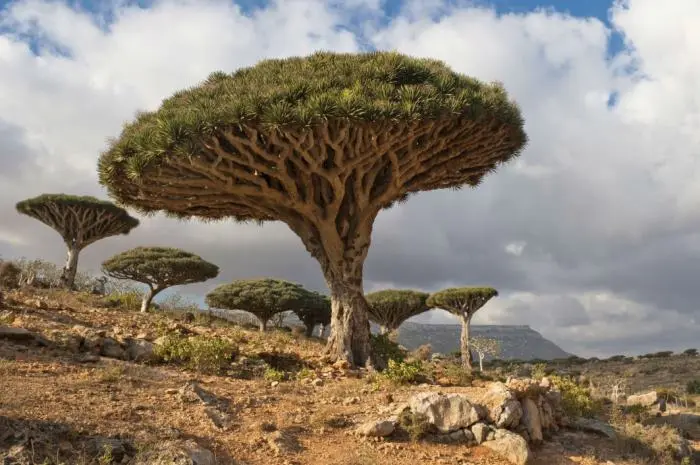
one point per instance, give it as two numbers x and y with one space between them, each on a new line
111 373
273 374
128 301
660 442
456 374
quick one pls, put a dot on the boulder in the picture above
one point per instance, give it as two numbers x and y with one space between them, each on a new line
140 350
648 399
448 412
531 420
112 349
510 446
282 443
480 431
594 426
502 406
381 428
198 455
22 335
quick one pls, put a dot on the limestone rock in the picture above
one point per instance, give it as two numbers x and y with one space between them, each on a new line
648 399
282 442
594 426
446 412
510 446
502 406
381 428
480 431
112 349
198 455
531 420
140 350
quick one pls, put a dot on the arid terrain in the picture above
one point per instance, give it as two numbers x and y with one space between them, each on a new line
78 387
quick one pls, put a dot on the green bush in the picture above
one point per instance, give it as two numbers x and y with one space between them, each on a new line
201 353
403 372
272 374
693 386
386 349
415 424
576 400
539 371
691 352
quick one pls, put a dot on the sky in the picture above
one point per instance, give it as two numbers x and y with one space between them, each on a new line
591 236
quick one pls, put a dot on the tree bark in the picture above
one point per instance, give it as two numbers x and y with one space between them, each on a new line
148 298
263 325
350 331
309 329
465 346
70 269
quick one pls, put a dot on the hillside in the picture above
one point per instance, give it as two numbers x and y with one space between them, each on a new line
85 381
517 342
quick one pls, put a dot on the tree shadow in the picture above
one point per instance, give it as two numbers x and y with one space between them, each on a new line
24 440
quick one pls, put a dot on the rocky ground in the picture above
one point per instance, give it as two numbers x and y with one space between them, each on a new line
80 384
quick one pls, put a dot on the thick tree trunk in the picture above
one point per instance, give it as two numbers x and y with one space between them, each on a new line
309 329
148 298
349 338
70 269
263 325
464 343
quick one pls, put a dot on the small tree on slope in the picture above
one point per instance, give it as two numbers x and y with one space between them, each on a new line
463 302
80 220
159 268
484 346
391 307
318 312
264 297
322 143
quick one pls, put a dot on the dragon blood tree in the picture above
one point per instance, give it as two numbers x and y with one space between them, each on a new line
316 312
322 143
264 297
159 268
390 308
463 302
80 220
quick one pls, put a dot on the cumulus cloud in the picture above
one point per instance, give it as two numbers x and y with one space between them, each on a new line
590 236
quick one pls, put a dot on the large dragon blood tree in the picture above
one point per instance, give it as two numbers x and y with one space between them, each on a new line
322 143
80 220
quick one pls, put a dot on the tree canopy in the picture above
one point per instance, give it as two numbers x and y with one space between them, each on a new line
159 268
316 312
80 220
458 300
262 297
322 143
391 307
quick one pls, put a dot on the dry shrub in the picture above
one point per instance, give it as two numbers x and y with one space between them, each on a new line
9 275
661 442
422 353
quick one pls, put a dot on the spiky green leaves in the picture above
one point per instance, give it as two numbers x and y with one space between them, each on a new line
263 298
303 92
80 220
389 308
160 267
461 300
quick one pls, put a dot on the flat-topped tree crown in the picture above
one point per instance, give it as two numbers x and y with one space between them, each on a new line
463 302
391 307
459 300
263 297
316 312
80 220
159 268
322 143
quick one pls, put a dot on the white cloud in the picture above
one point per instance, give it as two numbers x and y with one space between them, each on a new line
600 196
